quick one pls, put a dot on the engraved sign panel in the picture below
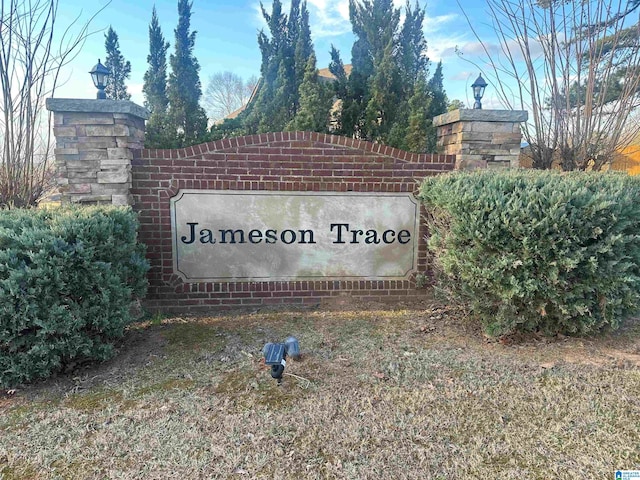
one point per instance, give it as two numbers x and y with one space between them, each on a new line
261 236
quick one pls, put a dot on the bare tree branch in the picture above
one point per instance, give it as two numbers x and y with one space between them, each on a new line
226 92
31 57
576 67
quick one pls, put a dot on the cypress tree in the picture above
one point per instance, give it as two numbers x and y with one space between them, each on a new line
438 105
186 115
285 53
261 109
385 95
155 78
315 102
375 25
412 48
303 51
439 101
380 99
428 101
119 68
419 123
340 89
158 132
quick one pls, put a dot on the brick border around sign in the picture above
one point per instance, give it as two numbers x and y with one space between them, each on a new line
282 161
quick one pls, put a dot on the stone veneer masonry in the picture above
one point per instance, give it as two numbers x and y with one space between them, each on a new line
481 138
95 141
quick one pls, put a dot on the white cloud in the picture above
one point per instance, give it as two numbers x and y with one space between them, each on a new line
442 47
257 15
442 39
492 102
343 9
435 24
329 17
494 49
135 89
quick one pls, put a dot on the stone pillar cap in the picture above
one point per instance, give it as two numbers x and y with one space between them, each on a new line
481 116
96 106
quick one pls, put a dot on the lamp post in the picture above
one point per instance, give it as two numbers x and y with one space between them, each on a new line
478 91
99 74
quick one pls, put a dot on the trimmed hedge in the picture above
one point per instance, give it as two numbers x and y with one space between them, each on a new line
67 280
538 250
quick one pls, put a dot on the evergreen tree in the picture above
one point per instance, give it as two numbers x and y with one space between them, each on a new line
375 24
413 60
285 52
340 88
438 104
456 104
158 131
385 95
119 68
346 120
439 101
315 102
303 49
380 99
428 101
186 116
412 65
419 123
155 78
258 111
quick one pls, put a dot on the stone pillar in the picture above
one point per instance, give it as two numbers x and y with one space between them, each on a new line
481 138
94 143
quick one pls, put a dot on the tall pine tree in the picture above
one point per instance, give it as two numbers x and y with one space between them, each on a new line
119 68
265 111
186 116
158 133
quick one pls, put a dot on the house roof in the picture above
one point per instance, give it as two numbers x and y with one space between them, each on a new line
323 74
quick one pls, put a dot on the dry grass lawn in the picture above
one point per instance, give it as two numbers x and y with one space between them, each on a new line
414 392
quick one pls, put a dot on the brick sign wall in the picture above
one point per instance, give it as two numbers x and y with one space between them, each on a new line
274 162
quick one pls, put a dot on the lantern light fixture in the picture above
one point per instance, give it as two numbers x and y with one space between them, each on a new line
478 91
99 74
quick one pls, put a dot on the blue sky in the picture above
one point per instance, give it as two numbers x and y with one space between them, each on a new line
227 38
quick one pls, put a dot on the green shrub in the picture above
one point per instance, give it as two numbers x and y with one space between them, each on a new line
67 281
538 251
